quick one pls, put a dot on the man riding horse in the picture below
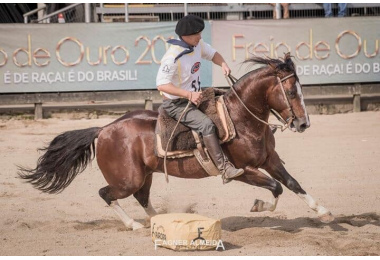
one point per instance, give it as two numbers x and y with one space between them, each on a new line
125 148
178 79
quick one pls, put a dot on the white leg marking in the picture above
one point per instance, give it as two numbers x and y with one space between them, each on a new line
260 205
128 222
270 206
274 203
313 204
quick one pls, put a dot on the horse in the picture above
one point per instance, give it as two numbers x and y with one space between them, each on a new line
125 148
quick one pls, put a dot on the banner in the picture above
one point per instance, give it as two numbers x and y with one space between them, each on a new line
85 57
126 56
326 50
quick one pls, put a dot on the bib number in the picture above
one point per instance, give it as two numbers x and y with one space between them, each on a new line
196 85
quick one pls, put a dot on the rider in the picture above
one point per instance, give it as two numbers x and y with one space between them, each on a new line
178 80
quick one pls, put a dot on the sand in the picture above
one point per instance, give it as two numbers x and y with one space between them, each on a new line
337 161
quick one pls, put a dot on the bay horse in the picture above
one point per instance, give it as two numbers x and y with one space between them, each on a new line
125 148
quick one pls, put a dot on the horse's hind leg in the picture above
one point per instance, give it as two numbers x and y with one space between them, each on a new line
142 196
110 195
257 178
275 168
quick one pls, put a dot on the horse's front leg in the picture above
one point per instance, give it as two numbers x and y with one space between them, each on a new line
255 177
275 168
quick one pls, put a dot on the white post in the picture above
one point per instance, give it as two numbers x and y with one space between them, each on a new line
278 11
42 12
87 12
102 14
126 13
185 6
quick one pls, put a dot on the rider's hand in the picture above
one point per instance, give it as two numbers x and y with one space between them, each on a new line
226 70
195 97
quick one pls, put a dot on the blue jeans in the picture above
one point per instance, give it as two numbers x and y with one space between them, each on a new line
341 9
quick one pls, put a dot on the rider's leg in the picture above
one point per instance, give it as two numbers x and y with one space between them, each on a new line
202 124
226 168
199 122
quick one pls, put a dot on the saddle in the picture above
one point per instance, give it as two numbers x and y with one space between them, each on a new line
186 142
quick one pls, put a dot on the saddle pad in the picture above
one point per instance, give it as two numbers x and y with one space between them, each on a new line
206 164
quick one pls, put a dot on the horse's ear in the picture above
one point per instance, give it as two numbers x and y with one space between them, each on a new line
287 57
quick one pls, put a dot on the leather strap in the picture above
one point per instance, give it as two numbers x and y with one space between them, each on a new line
199 145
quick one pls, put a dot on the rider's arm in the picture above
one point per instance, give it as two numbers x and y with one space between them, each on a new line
165 76
209 53
218 60
173 90
194 97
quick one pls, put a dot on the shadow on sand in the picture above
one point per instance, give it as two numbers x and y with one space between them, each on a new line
296 225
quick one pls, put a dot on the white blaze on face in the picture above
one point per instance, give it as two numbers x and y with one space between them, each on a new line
299 92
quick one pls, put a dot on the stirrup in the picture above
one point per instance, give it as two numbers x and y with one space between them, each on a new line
227 180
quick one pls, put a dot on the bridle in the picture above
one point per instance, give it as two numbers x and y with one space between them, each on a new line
286 123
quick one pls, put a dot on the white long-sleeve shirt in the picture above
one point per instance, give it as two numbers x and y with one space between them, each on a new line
185 72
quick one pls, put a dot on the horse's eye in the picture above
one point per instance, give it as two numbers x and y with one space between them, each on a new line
292 94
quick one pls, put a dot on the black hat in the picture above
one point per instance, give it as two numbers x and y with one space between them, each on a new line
189 24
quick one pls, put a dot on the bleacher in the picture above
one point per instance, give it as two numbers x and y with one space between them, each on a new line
153 12
173 12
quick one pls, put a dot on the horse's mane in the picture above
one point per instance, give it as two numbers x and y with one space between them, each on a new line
276 66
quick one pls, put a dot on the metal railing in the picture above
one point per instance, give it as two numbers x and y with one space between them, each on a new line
173 12
85 12
318 99
33 12
73 13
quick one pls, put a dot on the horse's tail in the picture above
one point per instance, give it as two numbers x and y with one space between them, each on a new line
65 157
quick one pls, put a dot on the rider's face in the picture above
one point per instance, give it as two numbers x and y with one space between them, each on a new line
193 39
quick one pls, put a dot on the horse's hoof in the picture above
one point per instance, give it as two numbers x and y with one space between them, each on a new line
257 205
137 225
326 218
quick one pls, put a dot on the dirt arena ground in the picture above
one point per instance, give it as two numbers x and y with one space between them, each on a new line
337 161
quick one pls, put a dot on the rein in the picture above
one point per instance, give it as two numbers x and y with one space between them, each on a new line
171 136
232 80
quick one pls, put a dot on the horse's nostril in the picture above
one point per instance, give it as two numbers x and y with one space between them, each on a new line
303 126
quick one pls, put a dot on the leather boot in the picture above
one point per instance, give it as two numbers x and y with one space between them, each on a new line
226 168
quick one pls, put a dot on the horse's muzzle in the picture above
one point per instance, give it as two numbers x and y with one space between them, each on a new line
301 124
